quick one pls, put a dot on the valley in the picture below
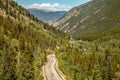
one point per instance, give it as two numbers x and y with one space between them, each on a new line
84 44
47 16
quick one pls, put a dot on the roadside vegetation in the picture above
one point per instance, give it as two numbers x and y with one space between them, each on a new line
24 41
98 56
93 60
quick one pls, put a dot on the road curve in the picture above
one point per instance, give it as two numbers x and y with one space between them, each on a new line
50 71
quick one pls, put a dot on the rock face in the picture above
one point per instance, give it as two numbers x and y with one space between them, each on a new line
93 16
47 16
2 13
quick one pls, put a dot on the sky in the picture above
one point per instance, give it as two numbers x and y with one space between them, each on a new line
54 5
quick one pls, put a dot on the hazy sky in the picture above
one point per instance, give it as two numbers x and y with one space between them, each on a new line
51 4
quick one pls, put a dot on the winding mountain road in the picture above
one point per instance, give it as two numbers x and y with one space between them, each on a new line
50 69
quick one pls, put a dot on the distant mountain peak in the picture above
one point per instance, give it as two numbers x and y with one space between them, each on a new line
47 16
45 10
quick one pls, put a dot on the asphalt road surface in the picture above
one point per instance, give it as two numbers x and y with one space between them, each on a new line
50 69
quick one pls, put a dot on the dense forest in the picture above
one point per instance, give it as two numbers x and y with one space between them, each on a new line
23 49
24 41
94 60
97 56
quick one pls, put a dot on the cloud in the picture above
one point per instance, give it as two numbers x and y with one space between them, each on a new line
48 6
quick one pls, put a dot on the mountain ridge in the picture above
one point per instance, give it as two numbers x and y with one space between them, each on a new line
26 41
93 16
47 16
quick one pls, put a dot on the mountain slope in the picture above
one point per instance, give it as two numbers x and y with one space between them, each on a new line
94 16
47 16
23 43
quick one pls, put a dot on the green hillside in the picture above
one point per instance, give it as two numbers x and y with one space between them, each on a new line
97 57
95 17
23 43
